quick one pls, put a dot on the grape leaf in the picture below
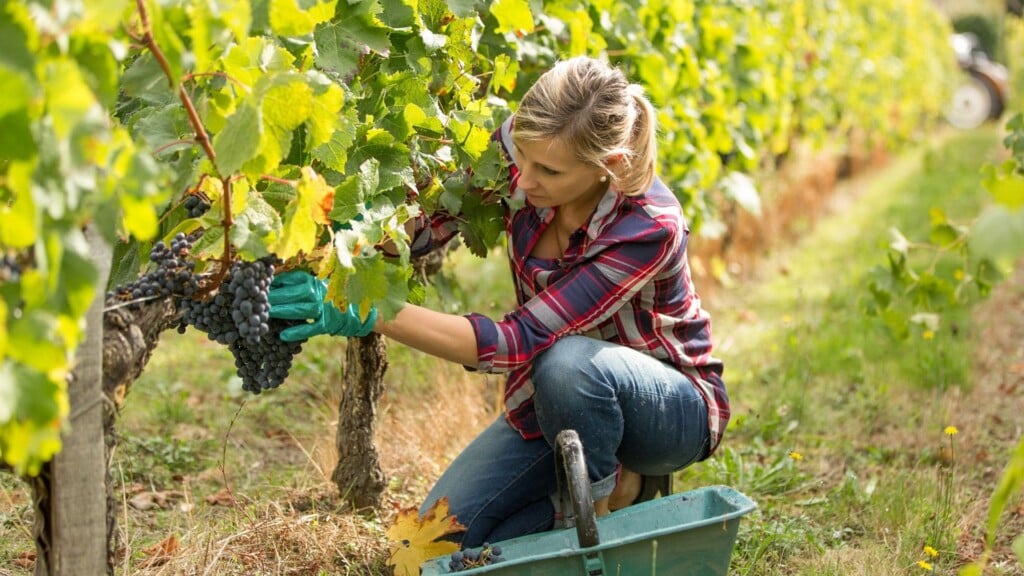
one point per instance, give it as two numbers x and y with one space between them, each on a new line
287 18
69 97
328 98
353 192
19 226
299 230
286 102
415 540
254 225
359 23
239 141
513 16
998 235
1005 184
483 225
16 35
3 348
334 152
335 51
377 282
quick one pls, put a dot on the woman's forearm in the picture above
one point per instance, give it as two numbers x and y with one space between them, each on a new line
447 336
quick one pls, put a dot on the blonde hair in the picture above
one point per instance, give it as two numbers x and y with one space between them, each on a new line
592 108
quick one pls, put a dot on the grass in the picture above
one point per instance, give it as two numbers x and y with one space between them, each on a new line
837 430
860 416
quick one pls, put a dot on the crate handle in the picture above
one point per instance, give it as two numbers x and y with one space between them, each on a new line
574 485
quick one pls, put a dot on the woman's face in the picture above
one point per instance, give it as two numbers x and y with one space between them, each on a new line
550 175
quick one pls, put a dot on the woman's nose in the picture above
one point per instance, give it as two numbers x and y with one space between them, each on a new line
526 180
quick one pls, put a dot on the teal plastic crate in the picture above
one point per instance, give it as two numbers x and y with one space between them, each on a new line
685 534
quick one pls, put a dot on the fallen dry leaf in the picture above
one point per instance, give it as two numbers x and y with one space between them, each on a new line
222 498
414 540
149 500
160 553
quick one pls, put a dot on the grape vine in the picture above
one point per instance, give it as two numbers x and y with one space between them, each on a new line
256 128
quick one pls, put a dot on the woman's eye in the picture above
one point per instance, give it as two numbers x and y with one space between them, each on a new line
549 171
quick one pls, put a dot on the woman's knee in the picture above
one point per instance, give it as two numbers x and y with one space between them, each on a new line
560 358
567 378
562 368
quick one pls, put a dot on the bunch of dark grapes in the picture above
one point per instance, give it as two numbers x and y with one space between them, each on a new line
10 270
173 275
250 309
196 205
468 558
238 316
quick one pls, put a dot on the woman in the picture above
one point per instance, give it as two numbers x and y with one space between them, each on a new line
609 337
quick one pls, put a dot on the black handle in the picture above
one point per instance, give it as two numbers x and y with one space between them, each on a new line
571 476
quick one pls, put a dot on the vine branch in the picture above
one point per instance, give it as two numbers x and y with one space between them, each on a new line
149 42
202 137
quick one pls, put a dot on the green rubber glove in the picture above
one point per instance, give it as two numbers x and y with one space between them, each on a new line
298 295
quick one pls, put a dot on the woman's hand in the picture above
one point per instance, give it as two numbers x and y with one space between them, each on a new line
298 295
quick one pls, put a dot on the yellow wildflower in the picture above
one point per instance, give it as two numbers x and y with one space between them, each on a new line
924 565
959 275
930 551
951 431
928 334
796 456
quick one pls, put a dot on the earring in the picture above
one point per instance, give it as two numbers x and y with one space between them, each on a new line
603 178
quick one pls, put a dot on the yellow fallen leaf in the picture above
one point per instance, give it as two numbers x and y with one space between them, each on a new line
414 540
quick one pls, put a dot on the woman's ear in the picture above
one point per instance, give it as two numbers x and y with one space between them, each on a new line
614 165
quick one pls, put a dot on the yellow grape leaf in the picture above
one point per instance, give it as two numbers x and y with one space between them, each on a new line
414 540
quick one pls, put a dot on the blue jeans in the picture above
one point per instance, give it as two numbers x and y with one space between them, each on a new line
628 408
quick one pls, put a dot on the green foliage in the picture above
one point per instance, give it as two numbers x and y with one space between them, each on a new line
955 262
294 116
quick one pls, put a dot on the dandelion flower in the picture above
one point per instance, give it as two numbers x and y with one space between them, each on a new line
925 565
794 455
951 431
930 551
928 335
959 275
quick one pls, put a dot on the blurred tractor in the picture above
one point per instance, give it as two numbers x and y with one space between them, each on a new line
984 90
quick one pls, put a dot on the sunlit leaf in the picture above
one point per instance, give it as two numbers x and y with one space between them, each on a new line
34 342
299 227
239 141
69 97
998 235
287 18
512 16
326 102
1006 185
19 218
